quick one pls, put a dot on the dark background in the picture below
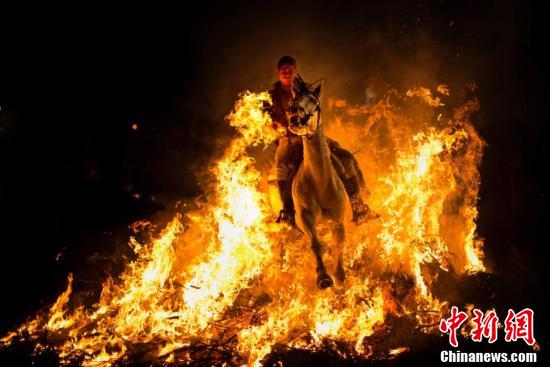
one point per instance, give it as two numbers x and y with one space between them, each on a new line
74 173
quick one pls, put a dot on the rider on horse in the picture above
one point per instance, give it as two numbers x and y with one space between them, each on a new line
289 152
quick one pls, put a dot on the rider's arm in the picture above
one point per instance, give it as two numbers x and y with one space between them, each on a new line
275 112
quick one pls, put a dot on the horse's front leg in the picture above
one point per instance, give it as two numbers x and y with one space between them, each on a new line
306 222
339 234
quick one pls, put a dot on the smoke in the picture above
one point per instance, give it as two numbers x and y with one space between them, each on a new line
361 49
360 45
351 46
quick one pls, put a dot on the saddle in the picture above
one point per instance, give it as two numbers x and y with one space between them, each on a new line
344 163
347 168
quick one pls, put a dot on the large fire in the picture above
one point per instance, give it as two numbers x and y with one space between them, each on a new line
224 283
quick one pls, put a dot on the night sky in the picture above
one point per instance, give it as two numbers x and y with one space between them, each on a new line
106 117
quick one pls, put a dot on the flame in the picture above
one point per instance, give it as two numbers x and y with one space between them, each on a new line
226 276
398 351
427 96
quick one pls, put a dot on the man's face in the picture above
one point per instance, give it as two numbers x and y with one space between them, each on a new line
287 73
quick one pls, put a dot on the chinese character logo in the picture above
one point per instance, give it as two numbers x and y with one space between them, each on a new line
485 326
516 326
452 324
519 326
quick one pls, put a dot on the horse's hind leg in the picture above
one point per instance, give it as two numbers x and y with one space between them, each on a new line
306 222
339 234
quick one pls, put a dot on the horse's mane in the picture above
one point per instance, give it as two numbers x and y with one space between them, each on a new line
303 87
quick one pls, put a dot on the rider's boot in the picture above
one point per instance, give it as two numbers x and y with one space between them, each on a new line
360 209
287 214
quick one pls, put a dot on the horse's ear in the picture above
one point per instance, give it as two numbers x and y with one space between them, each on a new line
317 91
316 87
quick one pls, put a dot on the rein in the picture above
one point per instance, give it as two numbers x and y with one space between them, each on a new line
318 110
307 117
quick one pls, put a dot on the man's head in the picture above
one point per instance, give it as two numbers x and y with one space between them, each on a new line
286 70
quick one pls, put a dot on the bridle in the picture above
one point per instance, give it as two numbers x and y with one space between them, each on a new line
306 118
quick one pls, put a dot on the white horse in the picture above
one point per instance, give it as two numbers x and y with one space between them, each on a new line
317 190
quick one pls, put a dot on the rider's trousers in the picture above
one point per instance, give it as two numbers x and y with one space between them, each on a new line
288 156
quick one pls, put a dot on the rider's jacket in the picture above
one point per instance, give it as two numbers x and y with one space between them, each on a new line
281 100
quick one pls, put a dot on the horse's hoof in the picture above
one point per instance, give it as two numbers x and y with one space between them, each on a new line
364 215
324 281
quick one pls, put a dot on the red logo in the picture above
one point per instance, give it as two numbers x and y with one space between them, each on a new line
485 326
516 326
452 324
519 326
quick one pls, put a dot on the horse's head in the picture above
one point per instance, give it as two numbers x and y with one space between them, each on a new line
302 110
